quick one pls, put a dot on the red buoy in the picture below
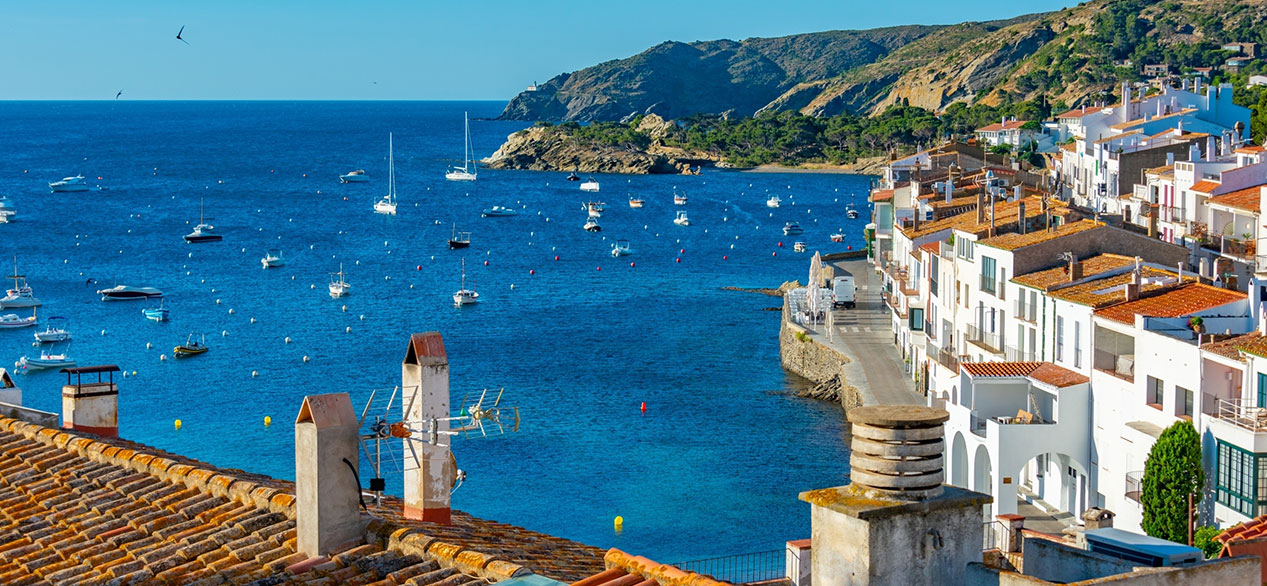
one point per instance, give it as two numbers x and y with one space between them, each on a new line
780 245
556 257
677 260
631 264
419 268
599 269
850 247
532 271
485 263
644 406
683 251
775 253
724 257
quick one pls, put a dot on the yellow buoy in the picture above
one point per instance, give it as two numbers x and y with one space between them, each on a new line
177 424
619 523
268 421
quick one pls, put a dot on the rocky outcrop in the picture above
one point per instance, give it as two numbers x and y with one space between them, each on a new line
553 149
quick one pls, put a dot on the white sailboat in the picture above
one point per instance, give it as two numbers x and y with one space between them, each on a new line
465 296
339 285
468 171
21 295
387 205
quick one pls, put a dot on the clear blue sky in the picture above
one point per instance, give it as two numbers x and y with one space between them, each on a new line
421 49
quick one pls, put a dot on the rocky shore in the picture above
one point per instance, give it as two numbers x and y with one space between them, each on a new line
554 148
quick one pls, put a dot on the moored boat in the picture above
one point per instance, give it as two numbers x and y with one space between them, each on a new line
590 185
11 321
838 237
800 247
459 239
127 293
54 331
678 199
592 225
7 211
47 359
469 171
202 232
21 295
159 313
851 212
272 259
621 248
635 202
357 176
792 229
681 219
497 212
339 286
465 296
773 202
68 184
387 205
191 347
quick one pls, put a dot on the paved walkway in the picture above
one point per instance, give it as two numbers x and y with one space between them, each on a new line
865 335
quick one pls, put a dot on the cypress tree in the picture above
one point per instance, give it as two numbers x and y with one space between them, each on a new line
1171 473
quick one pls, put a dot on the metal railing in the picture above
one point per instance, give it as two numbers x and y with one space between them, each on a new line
1025 312
977 423
1134 484
947 358
987 340
745 568
991 534
1169 213
1018 355
1242 414
1233 247
1119 365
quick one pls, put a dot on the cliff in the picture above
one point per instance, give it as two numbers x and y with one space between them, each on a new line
561 149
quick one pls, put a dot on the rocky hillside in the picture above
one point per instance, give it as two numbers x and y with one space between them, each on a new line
569 147
1065 56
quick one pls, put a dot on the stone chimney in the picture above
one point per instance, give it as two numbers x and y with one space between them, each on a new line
327 481
1097 518
981 206
1075 269
425 398
1154 210
92 406
9 391
915 216
896 523
1020 217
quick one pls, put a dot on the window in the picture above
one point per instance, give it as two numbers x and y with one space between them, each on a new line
1242 478
988 275
1262 390
1033 307
1183 402
1154 389
916 319
1077 344
1060 338
963 247
933 266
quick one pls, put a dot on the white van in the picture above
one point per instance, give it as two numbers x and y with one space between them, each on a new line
844 294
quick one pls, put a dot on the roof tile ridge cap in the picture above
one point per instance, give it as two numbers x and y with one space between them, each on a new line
408 540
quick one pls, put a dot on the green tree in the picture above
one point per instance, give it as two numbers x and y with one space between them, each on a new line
1204 540
1171 473
1002 148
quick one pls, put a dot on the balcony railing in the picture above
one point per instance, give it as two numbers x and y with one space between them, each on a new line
1260 262
1025 312
1134 482
747 568
1242 414
1228 246
1170 213
1119 365
986 340
1018 355
977 423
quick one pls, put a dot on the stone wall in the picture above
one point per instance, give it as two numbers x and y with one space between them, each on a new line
801 354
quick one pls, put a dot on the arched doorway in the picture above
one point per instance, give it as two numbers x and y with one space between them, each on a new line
959 462
982 474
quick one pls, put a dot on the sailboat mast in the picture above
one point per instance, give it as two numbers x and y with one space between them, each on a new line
391 168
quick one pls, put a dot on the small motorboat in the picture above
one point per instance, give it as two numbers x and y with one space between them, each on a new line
838 237
126 293
357 176
158 314
459 239
202 232
681 219
572 176
635 202
339 286
800 247
498 212
54 331
68 184
273 259
191 347
47 359
589 185
792 229
7 211
591 225
773 202
10 321
621 248
465 296
678 199
851 212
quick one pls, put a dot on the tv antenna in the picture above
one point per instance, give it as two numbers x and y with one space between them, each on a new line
483 418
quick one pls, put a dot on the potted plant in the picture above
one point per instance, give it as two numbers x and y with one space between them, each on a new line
1197 324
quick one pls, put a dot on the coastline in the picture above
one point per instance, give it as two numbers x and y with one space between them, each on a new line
815 168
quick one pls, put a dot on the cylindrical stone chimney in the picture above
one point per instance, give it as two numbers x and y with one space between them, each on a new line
897 451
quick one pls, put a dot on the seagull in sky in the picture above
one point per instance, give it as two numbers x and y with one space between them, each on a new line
180 32
116 96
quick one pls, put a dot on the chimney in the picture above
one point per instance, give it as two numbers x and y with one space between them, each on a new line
1131 290
1075 268
425 399
1097 518
1226 147
981 206
1020 217
1209 148
1126 102
1170 159
896 496
327 483
950 188
915 216
1154 210
1194 152
92 406
9 392
1203 268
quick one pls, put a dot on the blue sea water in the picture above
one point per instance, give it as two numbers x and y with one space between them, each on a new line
712 468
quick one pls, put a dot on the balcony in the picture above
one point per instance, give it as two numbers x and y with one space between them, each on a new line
1017 355
1242 414
1134 484
1023 312
988 341
1232 247
1119 365
1170 214
1260 263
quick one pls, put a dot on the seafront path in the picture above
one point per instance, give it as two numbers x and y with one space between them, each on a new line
865 335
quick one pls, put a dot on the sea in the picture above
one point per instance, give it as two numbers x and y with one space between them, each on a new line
576 340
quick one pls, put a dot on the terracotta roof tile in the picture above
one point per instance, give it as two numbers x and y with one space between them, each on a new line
1079 112
1046 279
1182 301
1008 125
1015 240
1246 199
1249 150
1253 343
1205 186
1057 376
882 195
1044 372
1109 290
1005 218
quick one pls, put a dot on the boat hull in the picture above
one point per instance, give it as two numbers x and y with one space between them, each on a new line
67 188
455 244
200 238
353 178
159 315
460 176
272 263
132 295
51 337
19 302
187 351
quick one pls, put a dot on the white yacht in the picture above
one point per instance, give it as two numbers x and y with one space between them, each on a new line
7 211
126 293
387 205
465 296
339 286
681 219
357 176
589 185
11 321
621 248
273 259
591 225
21 294
773 202
54 331
498 212
75 183
636 202
468 171
203 231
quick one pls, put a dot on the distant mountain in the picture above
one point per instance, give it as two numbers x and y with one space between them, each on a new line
1065 55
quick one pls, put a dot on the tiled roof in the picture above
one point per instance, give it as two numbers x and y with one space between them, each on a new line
1253 343
882 195
1109 290
1071 147
1250 150
1139 121
932 247
1251 529
1090 267
626 570
1160 170
997 126
1186 300
1245 199
1079 112
1045 372
79 510
1005 216
1118 136
1205 186
1014 240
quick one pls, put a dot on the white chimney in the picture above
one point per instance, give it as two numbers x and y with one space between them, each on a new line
425 398
1170 159
91 406
327 481
1209 148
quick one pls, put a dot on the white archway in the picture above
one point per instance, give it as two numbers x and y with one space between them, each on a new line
982 473
959 461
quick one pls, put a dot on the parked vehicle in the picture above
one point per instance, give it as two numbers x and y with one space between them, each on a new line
844 293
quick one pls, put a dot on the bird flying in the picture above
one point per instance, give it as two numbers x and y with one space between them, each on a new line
116 96
180 32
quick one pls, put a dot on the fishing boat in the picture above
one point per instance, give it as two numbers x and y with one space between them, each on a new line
681 219
357 176
838 237
589 185
68 184
465 296
11 321
47 359
202 232
851 212
468 171
339 286
191 347
678 199
792 229
459 239
635 202
21 294
572 176
621 248
773 202
800 247
126 293
497 212
387 205
594 208
273 259
591 225
159 313
54 331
